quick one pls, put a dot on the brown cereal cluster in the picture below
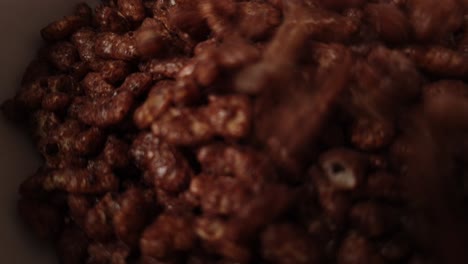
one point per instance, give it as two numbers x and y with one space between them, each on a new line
250 131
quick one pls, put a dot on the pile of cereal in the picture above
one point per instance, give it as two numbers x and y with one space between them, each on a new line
261 131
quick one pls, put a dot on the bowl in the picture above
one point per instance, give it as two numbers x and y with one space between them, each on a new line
20 23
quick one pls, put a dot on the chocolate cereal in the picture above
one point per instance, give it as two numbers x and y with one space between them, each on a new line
250 131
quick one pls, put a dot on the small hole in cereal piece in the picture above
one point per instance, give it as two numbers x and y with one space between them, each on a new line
344 168
340 176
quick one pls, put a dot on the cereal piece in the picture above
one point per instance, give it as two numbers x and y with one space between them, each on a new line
440 61
384 185
43 122
62 56
213 59
116 153
78 206
98 220
373 219
150 260
115 253
389 22
334 204
278 53
137 83
79 70
148 5
166 168
220 195
445 104
447 111
234 53
42 218
185 19
106 111
72 245
95 86
187 91
176 203
257 20
55 101
71 137
434 20
61 29
262 208
397 248
445 87
278 4
345 169
216 235
159 100
183 126
116 47
174 15
83 40
285 243
378 162
328 26
269 203
64 84
79 181
401 70
60 141
216 12
152 38
109 20
367 134
204 46
205 70
215 159
168 235
165 68
388 82
194 126
243 163
112 71
150 41
326 55
123 216
400 151
357 249
132 216
59 91
133 10
230 116
54 160
342 4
